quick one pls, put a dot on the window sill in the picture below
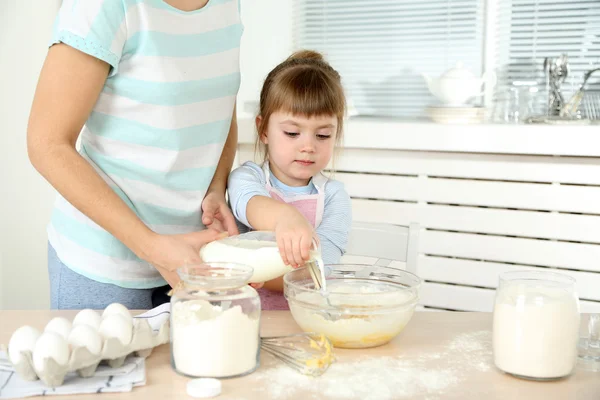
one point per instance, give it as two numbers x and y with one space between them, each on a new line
376 133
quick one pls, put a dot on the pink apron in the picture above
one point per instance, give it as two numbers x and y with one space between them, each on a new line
309 205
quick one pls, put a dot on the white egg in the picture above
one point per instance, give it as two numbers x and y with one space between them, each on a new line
88 317
117 326
59 325
23 339
116 308
86 336
50 345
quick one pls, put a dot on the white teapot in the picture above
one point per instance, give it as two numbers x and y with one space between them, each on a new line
457 85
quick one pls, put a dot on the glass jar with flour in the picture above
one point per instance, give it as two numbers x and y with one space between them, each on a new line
536 325
215 321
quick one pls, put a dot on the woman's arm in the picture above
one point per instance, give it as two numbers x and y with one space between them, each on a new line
219 181
69 85
215 212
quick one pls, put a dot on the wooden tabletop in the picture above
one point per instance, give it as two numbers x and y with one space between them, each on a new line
438 356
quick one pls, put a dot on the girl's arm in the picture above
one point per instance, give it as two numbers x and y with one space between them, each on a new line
253 206
293 232
69 85
334 228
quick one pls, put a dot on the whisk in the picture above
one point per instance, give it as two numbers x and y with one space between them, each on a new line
316 268
308 353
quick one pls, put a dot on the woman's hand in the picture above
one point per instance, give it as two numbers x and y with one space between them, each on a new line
217 215
169 252
294 236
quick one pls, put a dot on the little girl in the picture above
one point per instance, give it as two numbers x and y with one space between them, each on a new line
302 106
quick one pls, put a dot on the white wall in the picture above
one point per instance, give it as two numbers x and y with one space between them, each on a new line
25 27
267 40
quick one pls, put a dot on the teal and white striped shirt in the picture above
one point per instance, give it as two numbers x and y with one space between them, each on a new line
158 129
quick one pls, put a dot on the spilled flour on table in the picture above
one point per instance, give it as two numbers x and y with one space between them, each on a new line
385 378
476 348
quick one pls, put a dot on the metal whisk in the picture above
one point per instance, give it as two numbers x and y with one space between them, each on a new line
316 268
308 353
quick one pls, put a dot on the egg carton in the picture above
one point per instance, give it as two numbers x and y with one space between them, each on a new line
85 363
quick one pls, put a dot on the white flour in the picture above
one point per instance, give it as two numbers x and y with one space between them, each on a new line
536 336
210 342
385 378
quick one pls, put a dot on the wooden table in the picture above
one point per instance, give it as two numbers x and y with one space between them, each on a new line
438 356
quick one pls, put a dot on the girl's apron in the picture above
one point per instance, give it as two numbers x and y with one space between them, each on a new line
309 205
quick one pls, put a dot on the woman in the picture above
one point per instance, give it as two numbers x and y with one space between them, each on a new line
149 89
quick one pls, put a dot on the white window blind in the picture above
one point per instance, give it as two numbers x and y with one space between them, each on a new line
381 47
531 30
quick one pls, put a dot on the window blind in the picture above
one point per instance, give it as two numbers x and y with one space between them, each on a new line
531 30
381 47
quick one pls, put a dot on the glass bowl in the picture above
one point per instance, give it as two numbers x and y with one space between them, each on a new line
364 306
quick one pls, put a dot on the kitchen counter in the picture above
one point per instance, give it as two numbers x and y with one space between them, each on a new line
440 355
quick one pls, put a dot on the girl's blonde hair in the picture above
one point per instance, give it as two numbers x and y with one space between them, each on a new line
304 84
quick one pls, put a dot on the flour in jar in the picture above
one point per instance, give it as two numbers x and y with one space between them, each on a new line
209 341
536 335
262 255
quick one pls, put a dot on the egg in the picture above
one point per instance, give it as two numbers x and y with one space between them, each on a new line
50 345
116 308
59 325
117 326
86 336
23 339
88 317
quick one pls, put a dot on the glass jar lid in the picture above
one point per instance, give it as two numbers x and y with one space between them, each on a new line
215 275
538 278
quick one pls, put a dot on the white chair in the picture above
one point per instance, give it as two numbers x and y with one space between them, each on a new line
383 245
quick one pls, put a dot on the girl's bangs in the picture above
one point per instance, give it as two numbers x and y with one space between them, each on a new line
309 97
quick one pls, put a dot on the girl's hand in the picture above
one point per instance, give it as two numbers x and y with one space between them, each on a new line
169 252
294 236
217 215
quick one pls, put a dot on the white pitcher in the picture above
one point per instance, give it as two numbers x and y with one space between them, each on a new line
458 85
